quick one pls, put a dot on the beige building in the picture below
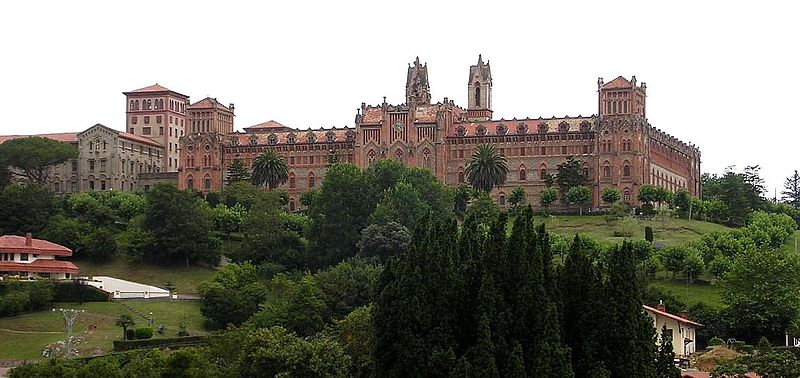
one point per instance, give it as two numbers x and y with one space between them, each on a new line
683 330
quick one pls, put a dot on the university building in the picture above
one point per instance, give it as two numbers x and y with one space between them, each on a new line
617 147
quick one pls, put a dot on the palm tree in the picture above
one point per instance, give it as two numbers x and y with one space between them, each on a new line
124 321
486 168
269 169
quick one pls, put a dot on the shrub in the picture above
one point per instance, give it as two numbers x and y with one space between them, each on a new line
14 303
130 334
716 341
648 234
76 291
626 227
162 329
144 333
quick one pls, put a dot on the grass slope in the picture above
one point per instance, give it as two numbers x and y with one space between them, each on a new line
665 231
692 293
25 336
186 279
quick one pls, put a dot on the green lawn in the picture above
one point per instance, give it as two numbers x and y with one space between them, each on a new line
16 345
186 279
692 293
666 231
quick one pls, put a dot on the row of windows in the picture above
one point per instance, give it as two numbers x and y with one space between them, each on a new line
532 151
157 104
10 256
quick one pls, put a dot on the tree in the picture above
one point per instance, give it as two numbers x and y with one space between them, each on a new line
237 172
693 264
401 203
665 361
610 195
791 191
347 285
32 157
486 168
762 291
124 321
648 194
232 295
579 195
384 240
293 305
25 208
517 199
270 170
681 201
569 174
356 338
547 197
461 196
674 259
180 226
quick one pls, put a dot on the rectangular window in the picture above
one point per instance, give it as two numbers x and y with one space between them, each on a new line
158 119
102 184
134 120
147 119
102 165
132 131
161 130
91 165
563 150
23 257
145 131
544 151
522 151
74 166
91 185
73 187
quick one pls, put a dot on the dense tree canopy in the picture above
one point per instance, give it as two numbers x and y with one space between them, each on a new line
25 208
791 190
32 157
486 168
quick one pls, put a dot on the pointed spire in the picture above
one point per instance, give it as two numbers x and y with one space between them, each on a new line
480 60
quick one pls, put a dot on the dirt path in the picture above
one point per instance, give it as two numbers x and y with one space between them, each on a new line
15 331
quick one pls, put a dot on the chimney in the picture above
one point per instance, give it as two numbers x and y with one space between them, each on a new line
684 314
661 306
28 239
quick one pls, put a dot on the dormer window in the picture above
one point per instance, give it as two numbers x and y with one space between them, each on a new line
330 137
461 131
543 128
350 135
522 128
585 127
563 127
291 138
481 131
502 129
253 140
310 137
234 141
272 139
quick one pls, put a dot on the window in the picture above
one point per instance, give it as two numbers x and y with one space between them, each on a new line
102 165
189 183
104 145
102 184
134 120
585 150
460 176
502 199
73 187
23 257
291 205
311 181
544 150
158 119
522 174
91 165
522 151
161 130
132 131
146 119
207 184
292 182
606 172
626 170
477 95
563 150
91 184
74 166
543 173
145 131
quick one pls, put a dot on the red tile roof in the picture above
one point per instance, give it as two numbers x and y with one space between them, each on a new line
619 82
208 103
139 138
426 113
152 88
61 137
671 316
269 126
16 244
372 116
39 266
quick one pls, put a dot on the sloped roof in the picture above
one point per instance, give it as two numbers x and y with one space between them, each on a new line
619 82
39 266
671 316
155 88
139 138
208 103
269 126
471 128
17 244
60 137
301 136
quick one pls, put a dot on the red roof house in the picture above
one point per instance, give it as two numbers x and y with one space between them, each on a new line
28 257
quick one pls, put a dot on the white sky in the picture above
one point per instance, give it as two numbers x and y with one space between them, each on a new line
722 75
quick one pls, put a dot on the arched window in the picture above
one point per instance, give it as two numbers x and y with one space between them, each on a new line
131 106
292 182
626 196
136 105
207 183
398 155
626 170
426 157
502 199
291 205
371 157
607 171
460 177
477 95
522 174
189 183
542 172
311 181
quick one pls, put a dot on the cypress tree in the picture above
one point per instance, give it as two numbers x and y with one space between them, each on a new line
665 362
629 331
482 355
516 364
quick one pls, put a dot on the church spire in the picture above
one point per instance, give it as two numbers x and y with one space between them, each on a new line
479 91
418 90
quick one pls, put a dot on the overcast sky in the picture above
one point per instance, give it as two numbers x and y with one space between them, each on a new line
720 75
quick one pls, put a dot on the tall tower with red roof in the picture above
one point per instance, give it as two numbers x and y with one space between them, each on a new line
158 113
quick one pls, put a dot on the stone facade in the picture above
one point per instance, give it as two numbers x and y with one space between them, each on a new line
158 113
617 147
201 148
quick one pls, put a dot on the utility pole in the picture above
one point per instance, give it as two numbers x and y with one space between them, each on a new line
69 319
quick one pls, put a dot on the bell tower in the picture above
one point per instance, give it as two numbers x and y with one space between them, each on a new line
479 91
418 90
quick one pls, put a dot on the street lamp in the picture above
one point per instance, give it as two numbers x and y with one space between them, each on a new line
150 320
69 319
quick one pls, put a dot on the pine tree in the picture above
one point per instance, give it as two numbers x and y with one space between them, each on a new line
516 365
791 192
482 355
237 172
665 361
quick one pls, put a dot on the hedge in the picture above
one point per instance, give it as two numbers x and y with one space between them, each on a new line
73 291
173 342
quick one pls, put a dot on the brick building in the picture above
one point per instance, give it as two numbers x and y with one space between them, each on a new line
158 113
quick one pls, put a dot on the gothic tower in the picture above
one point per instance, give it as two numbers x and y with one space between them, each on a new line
479 91
418 90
